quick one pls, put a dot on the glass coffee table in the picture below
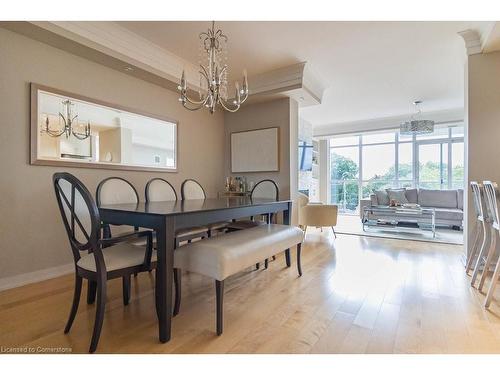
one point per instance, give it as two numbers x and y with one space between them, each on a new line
399 218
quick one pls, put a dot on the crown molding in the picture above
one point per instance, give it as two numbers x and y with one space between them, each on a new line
109 44
296 81
472 41
116 41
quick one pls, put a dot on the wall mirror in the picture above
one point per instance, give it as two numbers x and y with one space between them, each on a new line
71 130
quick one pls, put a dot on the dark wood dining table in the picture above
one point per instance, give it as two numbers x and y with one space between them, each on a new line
166 217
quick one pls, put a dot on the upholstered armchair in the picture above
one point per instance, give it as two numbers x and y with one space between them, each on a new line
316 214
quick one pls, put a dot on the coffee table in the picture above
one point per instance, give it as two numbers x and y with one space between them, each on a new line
399 218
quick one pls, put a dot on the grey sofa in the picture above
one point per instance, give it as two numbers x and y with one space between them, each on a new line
448 204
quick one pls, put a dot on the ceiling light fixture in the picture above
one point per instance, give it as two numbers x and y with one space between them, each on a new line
415 125
213 77
69 120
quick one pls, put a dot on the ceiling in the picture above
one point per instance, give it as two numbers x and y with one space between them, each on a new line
369 69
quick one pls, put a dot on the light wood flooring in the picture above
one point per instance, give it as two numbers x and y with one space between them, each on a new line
357 295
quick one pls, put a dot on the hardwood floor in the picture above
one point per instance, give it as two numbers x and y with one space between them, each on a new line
357 295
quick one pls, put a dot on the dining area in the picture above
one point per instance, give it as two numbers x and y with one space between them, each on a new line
164 235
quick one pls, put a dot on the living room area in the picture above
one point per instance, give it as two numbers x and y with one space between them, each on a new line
399 185
391 155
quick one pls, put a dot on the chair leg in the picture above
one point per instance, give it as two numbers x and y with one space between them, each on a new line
334 234
299 265
76 302
287 258
177 285
257 266
493 284
126 289
474 249
266 263
489 258
99 314
480 256
91 291
219 297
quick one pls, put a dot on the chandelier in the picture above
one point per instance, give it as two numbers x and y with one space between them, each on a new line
69 120
415 125
213 77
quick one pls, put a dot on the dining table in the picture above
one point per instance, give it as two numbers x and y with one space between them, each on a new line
165 218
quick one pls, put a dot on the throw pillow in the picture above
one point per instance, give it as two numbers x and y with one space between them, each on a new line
398 195
382 197
412 195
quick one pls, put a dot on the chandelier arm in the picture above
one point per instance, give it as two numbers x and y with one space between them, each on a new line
192 109
80 136
55 134
201 103
224 105
244 98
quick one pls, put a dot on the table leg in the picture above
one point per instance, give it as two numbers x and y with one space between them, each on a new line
286 221
164 277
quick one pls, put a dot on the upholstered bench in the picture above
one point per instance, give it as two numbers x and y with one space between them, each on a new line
222 256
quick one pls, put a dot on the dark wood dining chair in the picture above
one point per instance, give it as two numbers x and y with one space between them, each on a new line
114 190
160 190
96 258
192 189
267 189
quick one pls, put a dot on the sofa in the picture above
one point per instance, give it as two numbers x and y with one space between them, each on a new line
448 204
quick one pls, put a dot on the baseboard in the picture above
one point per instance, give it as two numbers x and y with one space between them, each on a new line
33 277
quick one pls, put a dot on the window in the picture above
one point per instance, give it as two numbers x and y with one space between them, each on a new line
344 173
361 164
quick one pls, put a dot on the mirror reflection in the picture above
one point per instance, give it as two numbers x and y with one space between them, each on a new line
70 129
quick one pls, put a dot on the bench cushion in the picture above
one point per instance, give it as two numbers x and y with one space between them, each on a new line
222 256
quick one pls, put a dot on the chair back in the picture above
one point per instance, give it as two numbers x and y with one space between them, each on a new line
302 199
265 189
490 190
79 213
191 189
115 190
478 200
159 190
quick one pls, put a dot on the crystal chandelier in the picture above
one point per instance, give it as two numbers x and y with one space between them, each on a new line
69 120
213 77
415 125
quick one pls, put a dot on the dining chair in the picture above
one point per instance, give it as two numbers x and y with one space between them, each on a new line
265 189
160 190
491 190
192 189
115 190
485 257
96 258
481 228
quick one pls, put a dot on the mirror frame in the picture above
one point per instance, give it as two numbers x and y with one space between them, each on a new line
34 160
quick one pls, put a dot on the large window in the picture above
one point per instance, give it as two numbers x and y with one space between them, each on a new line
361 164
